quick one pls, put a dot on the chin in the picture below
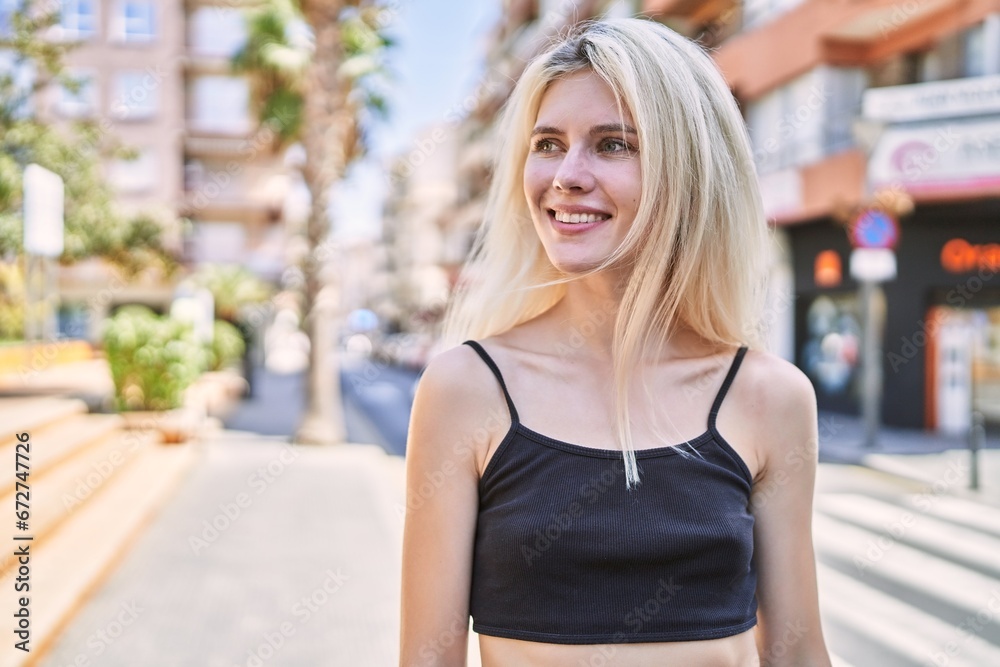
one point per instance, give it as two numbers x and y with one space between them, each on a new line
574 266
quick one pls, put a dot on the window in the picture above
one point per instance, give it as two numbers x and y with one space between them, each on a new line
77 19
759 12
82 102
135 176
958 56
806 119
135 21
222 242
7 10
135 95
220 104
17 100
217 31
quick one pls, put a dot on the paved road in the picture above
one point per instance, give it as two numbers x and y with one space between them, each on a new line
376 398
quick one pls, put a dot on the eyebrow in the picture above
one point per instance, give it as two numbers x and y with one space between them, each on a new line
597 129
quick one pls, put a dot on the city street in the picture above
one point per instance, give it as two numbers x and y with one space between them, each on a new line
907 570
377 400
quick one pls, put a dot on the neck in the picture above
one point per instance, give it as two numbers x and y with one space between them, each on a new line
585 316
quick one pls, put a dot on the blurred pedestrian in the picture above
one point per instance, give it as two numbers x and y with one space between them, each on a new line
611 470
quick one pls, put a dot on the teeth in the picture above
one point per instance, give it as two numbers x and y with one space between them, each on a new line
580 217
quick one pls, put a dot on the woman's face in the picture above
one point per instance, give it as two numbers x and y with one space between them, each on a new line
581 177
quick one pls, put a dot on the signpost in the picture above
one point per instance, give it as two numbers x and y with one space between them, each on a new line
874 235
43 243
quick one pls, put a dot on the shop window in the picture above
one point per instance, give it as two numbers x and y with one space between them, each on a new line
831 351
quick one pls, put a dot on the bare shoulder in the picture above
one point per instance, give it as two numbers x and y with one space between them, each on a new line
779 401
458 398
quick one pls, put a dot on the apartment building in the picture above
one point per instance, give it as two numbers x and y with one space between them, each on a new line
885 109
156 77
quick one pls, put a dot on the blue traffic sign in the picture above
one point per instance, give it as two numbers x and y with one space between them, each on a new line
874 229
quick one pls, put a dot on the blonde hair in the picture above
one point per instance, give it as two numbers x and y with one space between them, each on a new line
698 243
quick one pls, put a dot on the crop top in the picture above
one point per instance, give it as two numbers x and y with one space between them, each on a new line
565 554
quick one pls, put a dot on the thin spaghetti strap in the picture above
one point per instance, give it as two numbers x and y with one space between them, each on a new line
496 371
725 386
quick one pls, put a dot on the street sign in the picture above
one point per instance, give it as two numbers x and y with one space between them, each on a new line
43 212
873 228
873 264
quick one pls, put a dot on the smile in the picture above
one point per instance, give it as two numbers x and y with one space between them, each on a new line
576 218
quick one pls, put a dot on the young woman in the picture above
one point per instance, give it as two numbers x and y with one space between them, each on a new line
610 471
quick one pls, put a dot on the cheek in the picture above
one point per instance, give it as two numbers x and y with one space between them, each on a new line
536 181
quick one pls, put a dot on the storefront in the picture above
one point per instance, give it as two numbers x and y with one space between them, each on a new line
941 336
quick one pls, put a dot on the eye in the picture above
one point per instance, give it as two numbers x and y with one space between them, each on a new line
612 145
543 146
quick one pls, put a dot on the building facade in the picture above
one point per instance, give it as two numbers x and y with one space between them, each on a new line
156 78
886 108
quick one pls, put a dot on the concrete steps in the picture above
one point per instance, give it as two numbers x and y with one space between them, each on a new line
93 487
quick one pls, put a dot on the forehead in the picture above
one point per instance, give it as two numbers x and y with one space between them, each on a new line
580 98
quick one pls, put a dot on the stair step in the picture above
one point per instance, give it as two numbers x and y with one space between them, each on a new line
911 633
927 533
57 495
31 414
56 443
902 568
65 568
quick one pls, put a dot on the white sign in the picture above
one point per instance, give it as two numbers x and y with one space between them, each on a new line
945 157
43 212
938 99
873 264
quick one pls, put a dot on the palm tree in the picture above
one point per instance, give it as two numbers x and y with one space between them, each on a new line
315 66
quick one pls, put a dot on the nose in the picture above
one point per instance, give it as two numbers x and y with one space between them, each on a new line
574 173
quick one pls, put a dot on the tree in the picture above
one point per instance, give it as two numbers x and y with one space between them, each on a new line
93 225
315 67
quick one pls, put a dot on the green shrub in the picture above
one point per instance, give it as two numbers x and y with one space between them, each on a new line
153 359
12 298
227 346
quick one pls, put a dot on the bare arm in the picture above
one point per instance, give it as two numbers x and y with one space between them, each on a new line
789 633
442 501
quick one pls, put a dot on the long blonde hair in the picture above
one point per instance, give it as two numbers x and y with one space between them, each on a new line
698 243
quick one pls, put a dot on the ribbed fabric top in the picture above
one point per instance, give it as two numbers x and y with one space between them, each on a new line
565 554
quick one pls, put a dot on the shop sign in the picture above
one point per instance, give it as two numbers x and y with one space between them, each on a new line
960 256
947 157
938 99
827 270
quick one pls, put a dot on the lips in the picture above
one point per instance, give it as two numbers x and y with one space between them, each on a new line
576 220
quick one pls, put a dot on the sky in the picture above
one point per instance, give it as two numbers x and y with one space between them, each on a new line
436 63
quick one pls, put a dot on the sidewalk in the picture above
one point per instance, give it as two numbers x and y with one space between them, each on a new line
269 554
939 461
